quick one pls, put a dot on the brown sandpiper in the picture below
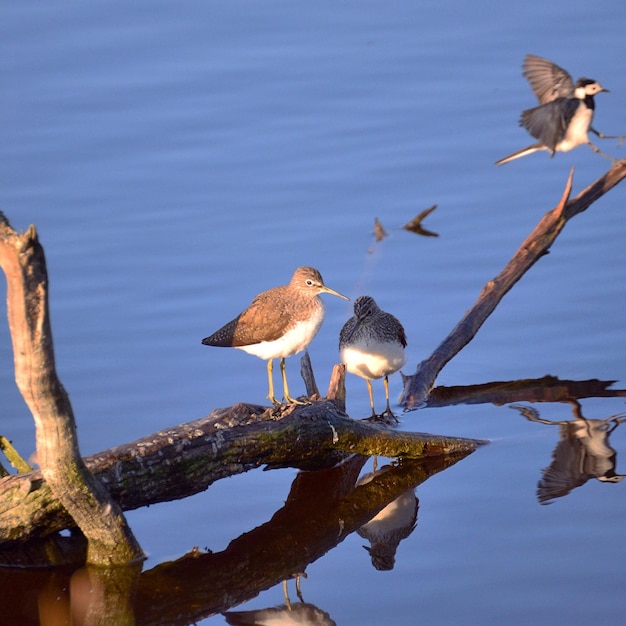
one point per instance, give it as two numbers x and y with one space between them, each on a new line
279 323
371 344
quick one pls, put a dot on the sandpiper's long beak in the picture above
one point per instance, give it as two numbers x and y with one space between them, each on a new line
604 89
326 289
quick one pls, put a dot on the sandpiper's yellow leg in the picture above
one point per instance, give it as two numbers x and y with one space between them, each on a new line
299 587
386 383
388 411
286 594
288 398
270 396
298 577
369 389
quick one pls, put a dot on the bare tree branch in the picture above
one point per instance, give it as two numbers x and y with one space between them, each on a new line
417 387
85 499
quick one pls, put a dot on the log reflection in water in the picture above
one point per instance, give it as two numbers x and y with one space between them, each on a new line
322 509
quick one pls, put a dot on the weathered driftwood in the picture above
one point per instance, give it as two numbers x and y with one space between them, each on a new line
186 459
418 386
110 538
164 466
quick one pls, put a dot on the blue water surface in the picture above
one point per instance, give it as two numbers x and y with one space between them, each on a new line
178 158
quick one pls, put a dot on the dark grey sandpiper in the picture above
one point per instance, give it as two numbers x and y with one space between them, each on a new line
371 344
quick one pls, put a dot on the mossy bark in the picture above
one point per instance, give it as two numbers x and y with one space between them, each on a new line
184 460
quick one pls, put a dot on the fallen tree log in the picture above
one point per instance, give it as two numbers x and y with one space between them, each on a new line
91 493
184 460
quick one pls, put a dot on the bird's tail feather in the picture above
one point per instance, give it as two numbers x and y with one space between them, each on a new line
520 153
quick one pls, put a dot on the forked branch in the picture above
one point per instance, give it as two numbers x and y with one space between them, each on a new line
84 498
417 387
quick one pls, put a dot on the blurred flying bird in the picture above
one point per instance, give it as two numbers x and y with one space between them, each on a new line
564 116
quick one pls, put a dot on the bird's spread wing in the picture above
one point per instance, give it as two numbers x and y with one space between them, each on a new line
547 80
548 122
565 472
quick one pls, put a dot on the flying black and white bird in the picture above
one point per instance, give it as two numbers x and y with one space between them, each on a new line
564 116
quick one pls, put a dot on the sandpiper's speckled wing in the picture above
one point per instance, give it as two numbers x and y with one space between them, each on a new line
549 122
263 320
347 330
547 80
398 329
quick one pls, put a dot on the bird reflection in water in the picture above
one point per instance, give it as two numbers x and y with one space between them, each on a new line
390 526
297 614
582 453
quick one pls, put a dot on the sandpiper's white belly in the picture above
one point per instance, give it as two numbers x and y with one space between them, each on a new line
293 341
373 359
399 513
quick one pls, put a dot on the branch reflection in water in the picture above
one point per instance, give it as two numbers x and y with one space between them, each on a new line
322 509
583 451
546 389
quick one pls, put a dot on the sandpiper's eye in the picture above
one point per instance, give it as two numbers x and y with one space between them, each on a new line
309 282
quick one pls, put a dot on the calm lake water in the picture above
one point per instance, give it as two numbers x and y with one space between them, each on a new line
178 158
